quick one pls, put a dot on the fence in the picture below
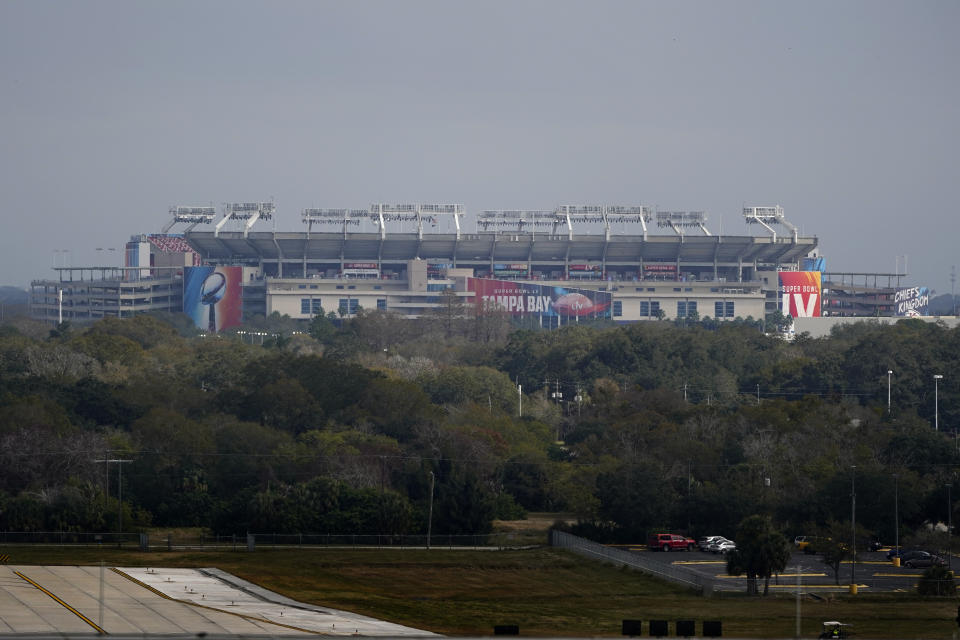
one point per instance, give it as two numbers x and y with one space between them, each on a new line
245 541
590 549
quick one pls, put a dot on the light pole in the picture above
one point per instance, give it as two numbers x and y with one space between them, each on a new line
936 407
430 512
896 513
889 373
949 527
853 529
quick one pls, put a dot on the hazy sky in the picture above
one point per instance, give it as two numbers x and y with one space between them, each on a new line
844 113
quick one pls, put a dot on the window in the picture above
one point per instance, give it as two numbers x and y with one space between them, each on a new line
381 304
313 286
617 308
676 288
649 309
352 286
310 306
301 286
348 306
723 310
686 308
377 286
339 286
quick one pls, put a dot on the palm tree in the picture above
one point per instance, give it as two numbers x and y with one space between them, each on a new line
761 551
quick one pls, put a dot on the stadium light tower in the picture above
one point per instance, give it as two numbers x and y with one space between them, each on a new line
342 217
676 220
765 216
567 214
249 211
191 216
384 213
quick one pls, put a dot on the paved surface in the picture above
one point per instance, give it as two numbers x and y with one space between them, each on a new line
873 572
136 601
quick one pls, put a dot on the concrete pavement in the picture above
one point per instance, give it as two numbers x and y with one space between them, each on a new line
136 601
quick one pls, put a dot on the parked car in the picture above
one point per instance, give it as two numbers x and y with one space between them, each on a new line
906 554
722 546
894 552
705 542
809 544
670 542
922 560
802 542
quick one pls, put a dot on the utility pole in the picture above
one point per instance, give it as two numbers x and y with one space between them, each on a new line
430 512
949 528
853 527
120 464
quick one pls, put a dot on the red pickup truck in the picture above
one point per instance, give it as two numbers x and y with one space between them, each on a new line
670 542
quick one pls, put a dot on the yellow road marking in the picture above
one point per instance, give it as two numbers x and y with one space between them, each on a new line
203 606
816 586
897 575
63 604
699 562
783 576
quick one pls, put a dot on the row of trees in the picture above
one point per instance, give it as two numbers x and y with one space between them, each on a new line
630 428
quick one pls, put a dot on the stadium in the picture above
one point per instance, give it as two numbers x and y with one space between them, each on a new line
627 263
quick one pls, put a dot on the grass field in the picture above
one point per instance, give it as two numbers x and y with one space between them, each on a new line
546 592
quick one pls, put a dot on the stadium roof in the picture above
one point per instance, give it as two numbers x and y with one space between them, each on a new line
470 248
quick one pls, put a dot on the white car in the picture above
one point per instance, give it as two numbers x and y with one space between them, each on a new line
721 546
704 543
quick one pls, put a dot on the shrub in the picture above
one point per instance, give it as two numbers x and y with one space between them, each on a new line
937 581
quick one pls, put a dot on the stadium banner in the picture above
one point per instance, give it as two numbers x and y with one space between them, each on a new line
800 293
514 269
211 296
659 271
912 301
814 264
522 298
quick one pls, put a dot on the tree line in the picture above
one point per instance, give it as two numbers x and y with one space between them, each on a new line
336 425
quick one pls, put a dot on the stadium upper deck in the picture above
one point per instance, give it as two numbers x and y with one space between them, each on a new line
605 237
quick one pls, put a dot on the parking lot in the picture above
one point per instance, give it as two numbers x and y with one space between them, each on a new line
873 572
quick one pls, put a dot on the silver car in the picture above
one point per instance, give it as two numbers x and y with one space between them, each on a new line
721 546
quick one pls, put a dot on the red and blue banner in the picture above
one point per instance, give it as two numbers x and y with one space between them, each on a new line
211 296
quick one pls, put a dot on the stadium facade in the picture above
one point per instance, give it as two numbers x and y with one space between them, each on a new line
401 258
